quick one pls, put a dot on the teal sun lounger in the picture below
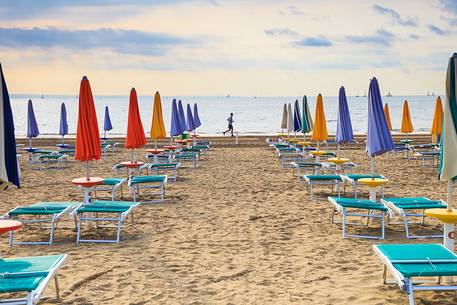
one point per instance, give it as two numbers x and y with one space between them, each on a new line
407 262
30 275
137 183
332 180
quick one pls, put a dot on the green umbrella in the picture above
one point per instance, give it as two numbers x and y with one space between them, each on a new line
306 120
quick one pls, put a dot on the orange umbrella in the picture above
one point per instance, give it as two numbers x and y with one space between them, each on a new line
320 124
387 114
87 135
135 132
157 127
437 125
406 123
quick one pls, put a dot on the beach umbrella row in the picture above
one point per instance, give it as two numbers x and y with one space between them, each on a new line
9 169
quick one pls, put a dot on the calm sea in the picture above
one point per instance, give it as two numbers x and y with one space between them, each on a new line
252 115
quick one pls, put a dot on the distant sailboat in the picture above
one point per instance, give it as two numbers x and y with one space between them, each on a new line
228 95
389 94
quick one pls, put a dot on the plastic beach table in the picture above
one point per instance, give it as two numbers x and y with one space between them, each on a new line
372 183
132 165
318 154
339 162
9 225
87 185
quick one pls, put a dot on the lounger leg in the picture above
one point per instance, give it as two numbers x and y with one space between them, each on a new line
384 274
354 187
405 222
78 235
119 224
56 283
51 236
410 292
30 297
338 187
10 243
344 222
383 229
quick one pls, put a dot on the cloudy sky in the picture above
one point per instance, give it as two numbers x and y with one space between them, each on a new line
215 47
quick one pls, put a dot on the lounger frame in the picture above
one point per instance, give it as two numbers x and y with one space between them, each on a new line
406 284
110 188
332 182
136 187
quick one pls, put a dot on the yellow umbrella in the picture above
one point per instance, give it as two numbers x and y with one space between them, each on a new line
157 127
387 114
320 125
406 123
437 125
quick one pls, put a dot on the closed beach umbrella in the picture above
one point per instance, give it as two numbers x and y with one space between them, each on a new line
320 124
63 127
189 119
379 139
32 126
344 132
284 118
307 121
387 114
297 117
175 130
135 133
448 165
406 123
87 133
157 127
9 169
107 126
290 119
197 122
182 117
437 125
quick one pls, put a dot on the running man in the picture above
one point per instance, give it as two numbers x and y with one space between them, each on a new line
230 124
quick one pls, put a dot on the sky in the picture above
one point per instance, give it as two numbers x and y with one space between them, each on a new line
219 47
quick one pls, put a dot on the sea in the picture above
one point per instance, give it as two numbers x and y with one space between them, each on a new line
252 115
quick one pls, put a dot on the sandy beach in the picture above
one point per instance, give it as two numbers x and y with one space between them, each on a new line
235 230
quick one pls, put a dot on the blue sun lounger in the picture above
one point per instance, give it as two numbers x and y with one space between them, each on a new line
103 211
40 213
410 261
30 275
374 210
406 206
137 183
332 180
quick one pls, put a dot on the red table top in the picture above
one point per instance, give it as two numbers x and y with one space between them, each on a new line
9 225
181 141
155 151
171 147
195 136
131 164
87 183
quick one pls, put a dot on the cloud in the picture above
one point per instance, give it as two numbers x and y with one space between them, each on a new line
118 40
292 10
381 37
281 32
396 18
437 30
318 41
449 6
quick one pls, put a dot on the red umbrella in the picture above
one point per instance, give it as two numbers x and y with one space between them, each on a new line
135 132
87 134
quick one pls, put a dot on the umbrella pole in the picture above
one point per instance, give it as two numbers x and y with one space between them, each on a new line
155 144
131 154
372 166
87 171
104 135
62 139
338 151
30 142
450 191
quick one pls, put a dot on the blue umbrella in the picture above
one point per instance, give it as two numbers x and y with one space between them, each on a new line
175 129
197 122
32 126
379 139
297 117
344 132
190 120
63 130
107 126
182 118
9 170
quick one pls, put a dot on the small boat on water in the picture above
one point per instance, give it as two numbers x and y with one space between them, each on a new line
389 94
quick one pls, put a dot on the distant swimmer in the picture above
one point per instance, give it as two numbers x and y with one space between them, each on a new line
230 124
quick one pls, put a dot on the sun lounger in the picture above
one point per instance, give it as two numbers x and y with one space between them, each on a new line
406 206
103 211
47 161
374 210
40 213
164 169
112 185
407 262
345 167
137 183
332 180
29 275
427 155
188 157
301 165
286 158
353 178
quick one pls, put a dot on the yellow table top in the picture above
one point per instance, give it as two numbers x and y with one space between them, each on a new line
372 182
338 160
318 152
443 214
303 143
